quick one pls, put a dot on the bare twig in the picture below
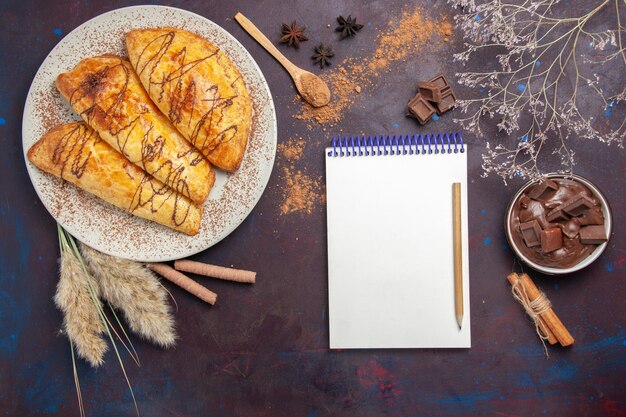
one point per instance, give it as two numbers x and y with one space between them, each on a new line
538 92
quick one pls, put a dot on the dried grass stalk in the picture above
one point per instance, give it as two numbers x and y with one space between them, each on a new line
136 291
81 321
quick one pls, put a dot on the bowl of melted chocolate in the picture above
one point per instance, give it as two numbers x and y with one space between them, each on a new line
559 224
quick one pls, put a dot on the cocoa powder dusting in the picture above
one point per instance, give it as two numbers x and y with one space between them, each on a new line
301 192
292 149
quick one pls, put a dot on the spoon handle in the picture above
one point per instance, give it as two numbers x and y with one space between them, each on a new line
265 43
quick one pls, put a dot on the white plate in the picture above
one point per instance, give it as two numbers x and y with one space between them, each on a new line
105 227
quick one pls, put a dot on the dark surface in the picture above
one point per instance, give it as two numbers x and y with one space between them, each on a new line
263 349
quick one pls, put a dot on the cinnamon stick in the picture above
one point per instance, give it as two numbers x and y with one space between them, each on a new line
550 318
542 323
184 282
229 274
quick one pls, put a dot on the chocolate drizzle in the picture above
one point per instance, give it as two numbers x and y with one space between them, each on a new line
73 142
74 149
114 109
184 99
148 190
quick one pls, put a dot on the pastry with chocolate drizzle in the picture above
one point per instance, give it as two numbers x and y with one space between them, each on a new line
198 88
107 94
75 153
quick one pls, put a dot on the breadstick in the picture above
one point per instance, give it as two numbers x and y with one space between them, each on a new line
184 282
230 274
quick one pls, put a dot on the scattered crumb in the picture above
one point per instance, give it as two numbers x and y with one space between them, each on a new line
357 89
302 193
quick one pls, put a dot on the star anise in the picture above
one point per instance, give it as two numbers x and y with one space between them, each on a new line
348 27
322 55
292 34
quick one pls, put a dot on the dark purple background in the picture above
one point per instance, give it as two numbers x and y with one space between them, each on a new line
263 349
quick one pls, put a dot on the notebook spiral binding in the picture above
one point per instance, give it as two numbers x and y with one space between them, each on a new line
396 145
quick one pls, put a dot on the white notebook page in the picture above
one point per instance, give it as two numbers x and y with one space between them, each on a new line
390 251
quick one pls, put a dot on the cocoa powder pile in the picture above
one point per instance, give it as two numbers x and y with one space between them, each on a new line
301 192
314 90
292 149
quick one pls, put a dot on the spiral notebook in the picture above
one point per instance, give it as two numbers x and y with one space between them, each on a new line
390 241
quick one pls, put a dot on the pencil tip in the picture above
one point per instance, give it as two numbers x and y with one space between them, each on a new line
459 320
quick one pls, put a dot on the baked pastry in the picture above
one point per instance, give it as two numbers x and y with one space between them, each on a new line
108 95
76 153
198 88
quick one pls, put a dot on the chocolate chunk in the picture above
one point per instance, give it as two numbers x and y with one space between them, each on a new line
576 205
448 100
534 211
550 204
431 92
531 232
571 228
550 214
526 216
544 223
551 240
542 190
421 109
591 216
524 201
593 235
557 214
440 81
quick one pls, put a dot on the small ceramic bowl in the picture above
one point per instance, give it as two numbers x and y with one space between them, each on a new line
608 223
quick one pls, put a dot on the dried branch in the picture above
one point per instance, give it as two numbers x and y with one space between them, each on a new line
541 94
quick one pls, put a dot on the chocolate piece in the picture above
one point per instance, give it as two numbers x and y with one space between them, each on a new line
421 109
427 85
572 251
591 216
531 232
593 235
544 223
557 214
571 228
431 92
550 204
526 215
576 205
533 211
542 190
448 100
440 81
524 201
551 240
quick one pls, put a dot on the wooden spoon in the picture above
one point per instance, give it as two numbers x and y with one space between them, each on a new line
310 86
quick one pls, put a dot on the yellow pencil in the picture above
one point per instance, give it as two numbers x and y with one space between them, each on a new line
458 257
